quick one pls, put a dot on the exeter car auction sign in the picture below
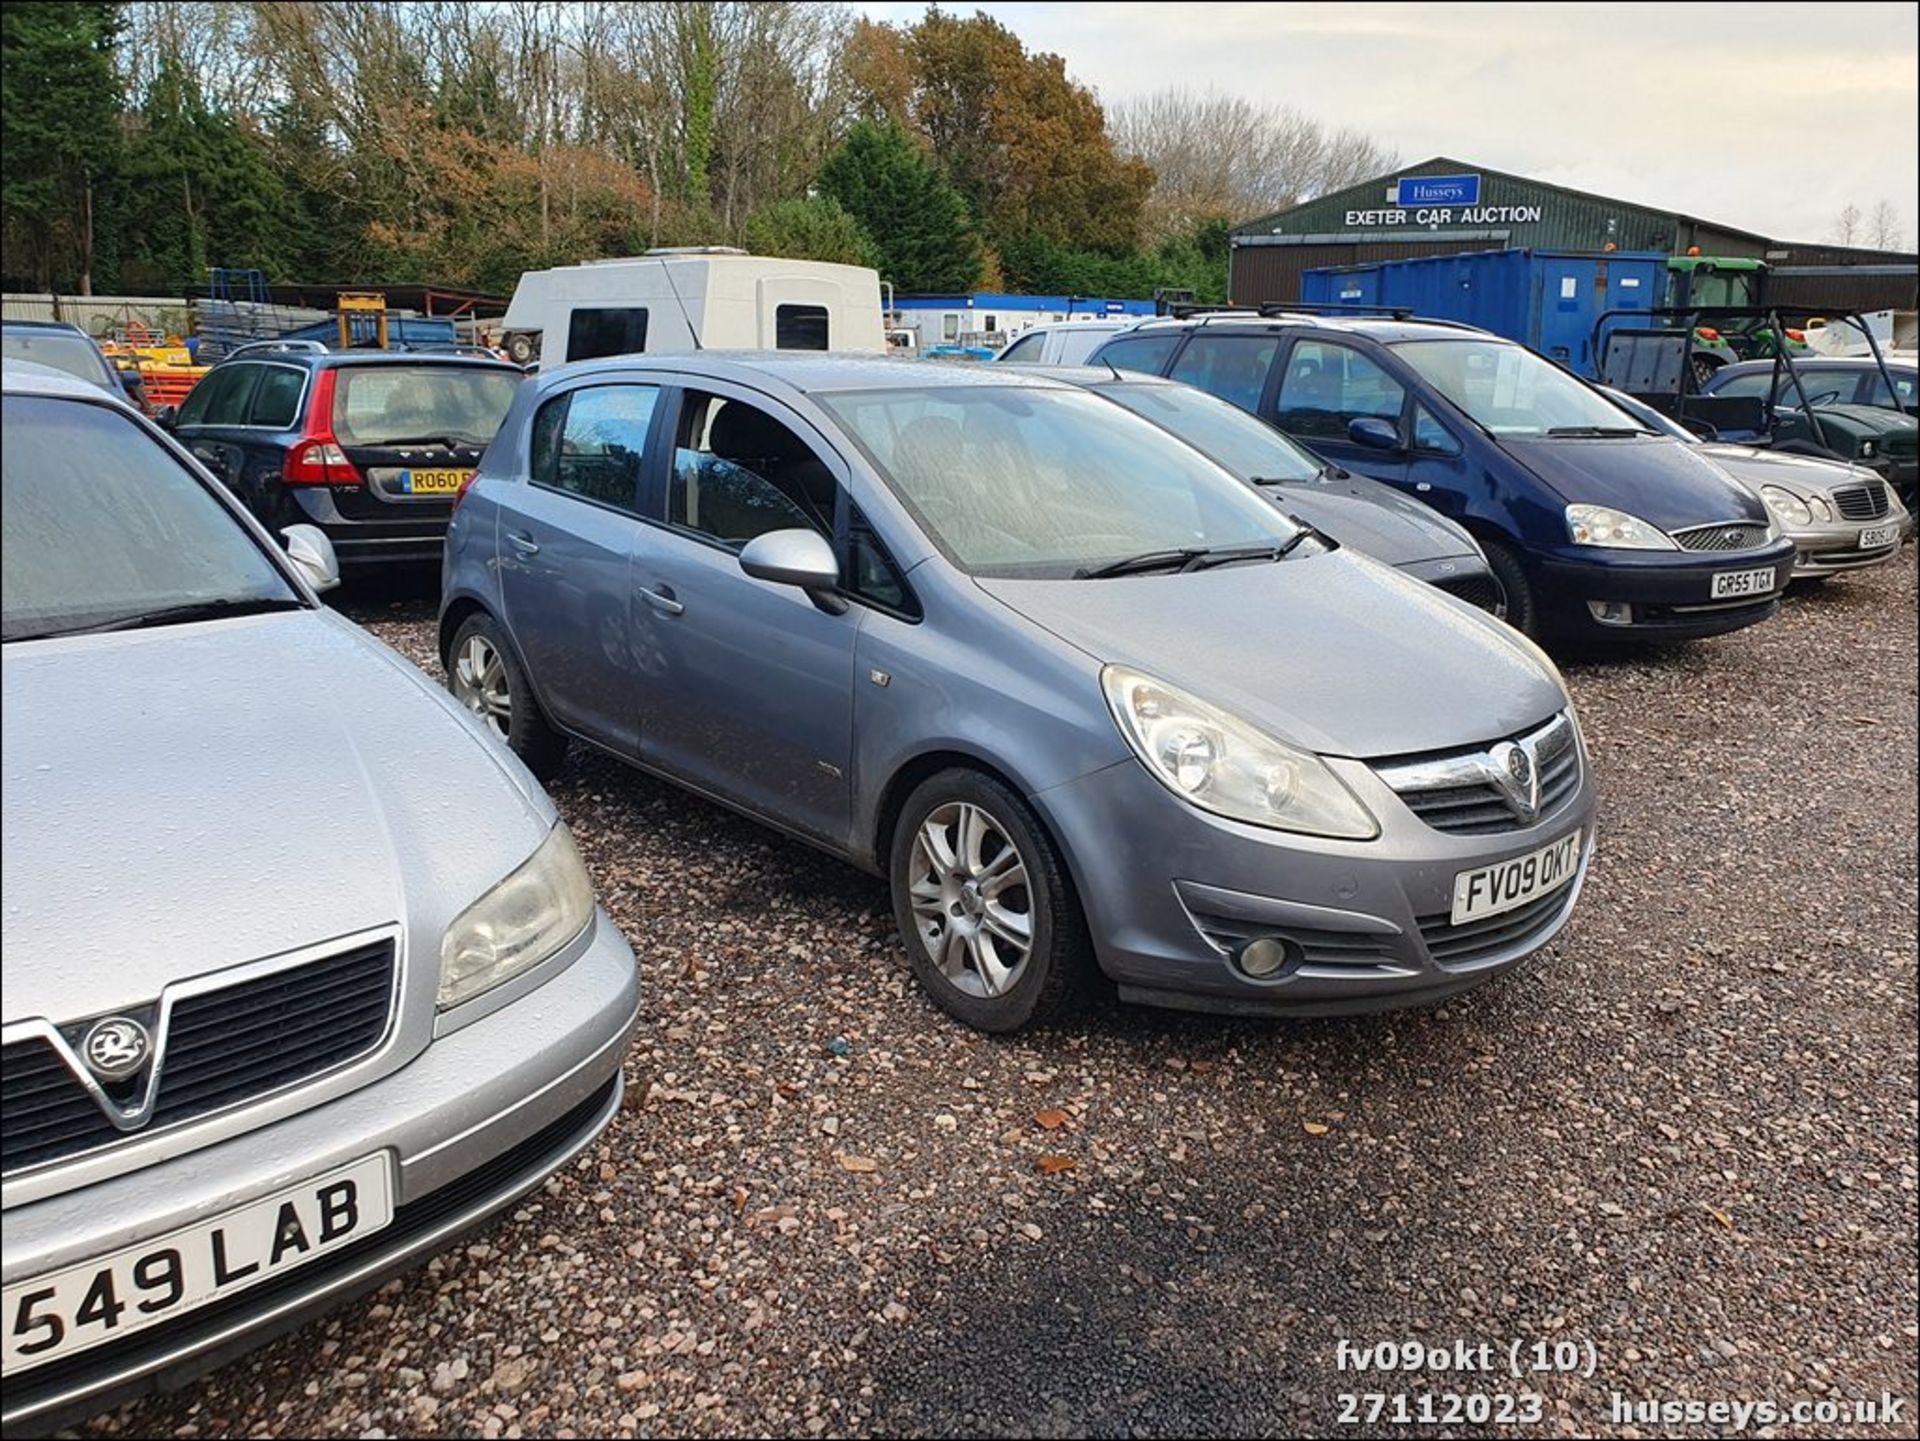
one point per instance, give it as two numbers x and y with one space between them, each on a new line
1440 200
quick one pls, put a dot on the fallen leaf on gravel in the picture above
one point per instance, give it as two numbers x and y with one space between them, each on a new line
1863 720
739 1199
1054 1165
1050 1120
859 1164
1314 1128
1721 1216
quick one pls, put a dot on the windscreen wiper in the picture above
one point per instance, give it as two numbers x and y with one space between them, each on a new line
221 609
1144 562
451 442
1228 555
1601 432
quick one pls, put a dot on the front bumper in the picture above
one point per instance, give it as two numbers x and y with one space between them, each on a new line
479 1118
1169 890
1670 592
1833 548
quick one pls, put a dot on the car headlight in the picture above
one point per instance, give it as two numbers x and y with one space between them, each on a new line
1602 525
1868 449
1221 764
1821 510
519 923
1784 503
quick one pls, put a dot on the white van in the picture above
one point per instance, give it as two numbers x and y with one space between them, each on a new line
703 297
1066 342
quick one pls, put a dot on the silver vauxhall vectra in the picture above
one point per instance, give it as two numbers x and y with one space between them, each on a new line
1081 695
280 1016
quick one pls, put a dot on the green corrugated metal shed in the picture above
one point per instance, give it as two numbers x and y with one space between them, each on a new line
1364 222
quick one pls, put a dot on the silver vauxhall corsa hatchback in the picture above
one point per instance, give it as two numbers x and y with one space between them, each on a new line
279 1018
1083 697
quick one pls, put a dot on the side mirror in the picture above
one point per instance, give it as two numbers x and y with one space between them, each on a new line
310 550
800 558
1373 432
166 416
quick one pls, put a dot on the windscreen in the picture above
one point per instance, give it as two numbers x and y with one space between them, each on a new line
397 404
1044 483
101 523
1510 390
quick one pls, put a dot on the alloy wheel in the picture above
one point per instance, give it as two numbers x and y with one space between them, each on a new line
972 908
480 684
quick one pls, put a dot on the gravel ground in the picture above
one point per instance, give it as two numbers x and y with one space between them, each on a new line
1685 1137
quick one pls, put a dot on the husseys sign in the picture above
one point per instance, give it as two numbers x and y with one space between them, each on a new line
1440 200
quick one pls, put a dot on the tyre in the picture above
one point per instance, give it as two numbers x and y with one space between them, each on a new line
1704 369
485 678
1523 610
520 348
991 921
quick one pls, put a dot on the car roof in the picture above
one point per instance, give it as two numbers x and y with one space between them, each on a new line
60 325
337 359
1815 362
811 372
23 377
1387 330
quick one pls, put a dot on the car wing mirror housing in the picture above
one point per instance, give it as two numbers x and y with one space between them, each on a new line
1373 432
800 558
312 554
166 416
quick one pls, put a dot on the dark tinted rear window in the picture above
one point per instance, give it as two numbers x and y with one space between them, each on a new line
1146 353
800 327
392 404
621 331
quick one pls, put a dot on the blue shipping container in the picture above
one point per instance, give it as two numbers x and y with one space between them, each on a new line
1545 299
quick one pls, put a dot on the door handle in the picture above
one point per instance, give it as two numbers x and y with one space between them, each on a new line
662 600
523 542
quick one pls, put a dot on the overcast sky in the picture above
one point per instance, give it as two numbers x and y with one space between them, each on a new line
1765 117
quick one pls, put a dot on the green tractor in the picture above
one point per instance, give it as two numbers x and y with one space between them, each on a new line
1720 281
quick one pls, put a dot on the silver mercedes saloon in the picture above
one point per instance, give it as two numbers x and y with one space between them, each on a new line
279 1019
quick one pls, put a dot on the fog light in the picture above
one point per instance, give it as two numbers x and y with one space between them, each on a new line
1611 612
1264 957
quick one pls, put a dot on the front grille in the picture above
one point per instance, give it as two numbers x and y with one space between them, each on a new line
498 1181
1472 941
1477 590
223 1047
1866 501
1743 536
1456 791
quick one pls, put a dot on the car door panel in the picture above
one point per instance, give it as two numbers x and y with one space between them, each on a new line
565 548
746 687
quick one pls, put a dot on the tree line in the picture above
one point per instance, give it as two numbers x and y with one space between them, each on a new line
460 142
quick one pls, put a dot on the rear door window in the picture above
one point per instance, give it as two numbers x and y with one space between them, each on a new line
231 396
1233 367
591 443
1327 387
276 400
1145 353
800 327
620 330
